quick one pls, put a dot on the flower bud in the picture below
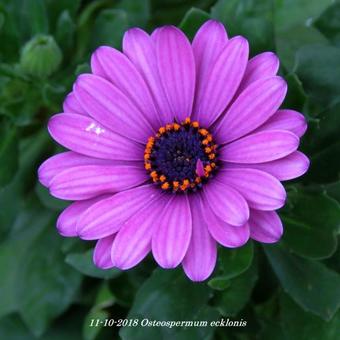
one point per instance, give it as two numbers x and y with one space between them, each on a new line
41 56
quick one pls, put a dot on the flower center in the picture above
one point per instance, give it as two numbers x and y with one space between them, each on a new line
181 156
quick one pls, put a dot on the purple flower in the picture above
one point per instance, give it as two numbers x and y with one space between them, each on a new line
175 148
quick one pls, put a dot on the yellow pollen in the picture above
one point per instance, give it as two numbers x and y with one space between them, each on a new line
175 184
212 156
195 124
162 130
205 141
207 150
168 126
162 178
147 166
187 121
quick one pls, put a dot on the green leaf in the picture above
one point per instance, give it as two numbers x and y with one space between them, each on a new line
8 153
250 18
66 328
312 224
48 201
292 21
231 300
55 8
192 21
169 295
35 281
231 263
104 299
35 13
84 264
311 285
328 22
138 12
291 13
109 28
313 328
65 31
317 68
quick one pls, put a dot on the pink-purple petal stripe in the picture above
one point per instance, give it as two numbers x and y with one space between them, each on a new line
102 252
67 220
261 190
252 108
176 66
111 107
224 233
86 136
140 49
265 226
289 120
71 105
83 182
289 167
224 77
116 67
226 202
172 236
65 160
107 217
263 65
200 259
133 241
260 147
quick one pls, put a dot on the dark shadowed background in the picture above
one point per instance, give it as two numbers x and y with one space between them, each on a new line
49 288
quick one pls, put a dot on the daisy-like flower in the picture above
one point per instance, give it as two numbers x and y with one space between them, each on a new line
176 147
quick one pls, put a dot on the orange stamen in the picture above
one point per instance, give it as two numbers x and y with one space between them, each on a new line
165 186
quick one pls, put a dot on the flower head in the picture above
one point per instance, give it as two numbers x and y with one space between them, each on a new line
176 147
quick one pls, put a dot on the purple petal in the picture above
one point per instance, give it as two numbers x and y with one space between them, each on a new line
140 49
67 220
176 66
222 82
116 67
265 226
224 233
227 203
200 259
86 136
102 252
133 241
71 105
289 167
207 45
111 107
172 237
263 65
83 182
260 147
107 217
290 120
261 190
253 107
62 161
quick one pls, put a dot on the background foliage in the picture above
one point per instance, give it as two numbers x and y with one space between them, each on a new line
48 287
